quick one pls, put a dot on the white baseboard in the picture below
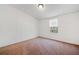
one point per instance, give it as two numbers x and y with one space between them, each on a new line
21 40
65 41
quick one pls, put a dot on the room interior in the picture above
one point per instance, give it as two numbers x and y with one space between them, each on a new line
39 29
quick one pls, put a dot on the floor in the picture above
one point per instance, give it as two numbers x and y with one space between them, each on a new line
40 46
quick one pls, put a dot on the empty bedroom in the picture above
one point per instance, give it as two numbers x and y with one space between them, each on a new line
39 29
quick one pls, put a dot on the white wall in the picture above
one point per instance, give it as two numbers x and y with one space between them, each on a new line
15 26
68 28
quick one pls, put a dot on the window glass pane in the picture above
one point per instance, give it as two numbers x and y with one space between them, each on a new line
53 24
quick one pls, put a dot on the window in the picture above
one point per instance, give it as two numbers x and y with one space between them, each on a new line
53 24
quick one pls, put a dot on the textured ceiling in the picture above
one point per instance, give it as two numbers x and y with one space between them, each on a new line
50 10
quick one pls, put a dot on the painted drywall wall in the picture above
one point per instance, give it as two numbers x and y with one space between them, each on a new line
15 26
68 28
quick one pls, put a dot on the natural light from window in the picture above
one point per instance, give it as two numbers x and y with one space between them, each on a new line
53 24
